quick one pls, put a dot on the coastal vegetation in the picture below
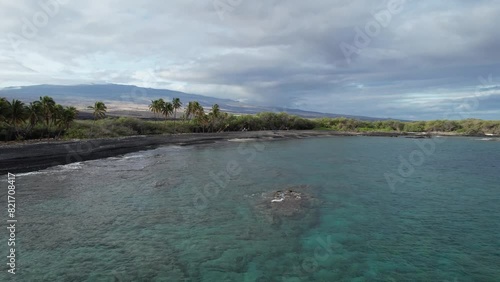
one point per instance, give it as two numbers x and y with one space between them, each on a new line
44 118
464 127
98 111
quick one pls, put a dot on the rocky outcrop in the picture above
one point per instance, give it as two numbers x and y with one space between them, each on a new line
292 203
288 195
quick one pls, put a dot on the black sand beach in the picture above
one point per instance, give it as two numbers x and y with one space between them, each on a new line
31 156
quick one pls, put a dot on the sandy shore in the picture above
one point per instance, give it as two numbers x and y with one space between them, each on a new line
31 156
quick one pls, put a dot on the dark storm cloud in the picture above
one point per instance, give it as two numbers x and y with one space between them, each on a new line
404 59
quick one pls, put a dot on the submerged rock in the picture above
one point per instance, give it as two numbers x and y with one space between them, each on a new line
293 203
280 196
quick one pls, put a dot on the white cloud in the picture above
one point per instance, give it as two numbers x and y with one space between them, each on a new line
283 53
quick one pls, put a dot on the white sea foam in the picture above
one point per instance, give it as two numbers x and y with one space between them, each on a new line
241 140
134 156
32 173
67 167
51 170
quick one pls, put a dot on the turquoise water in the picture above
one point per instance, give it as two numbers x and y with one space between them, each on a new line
162 215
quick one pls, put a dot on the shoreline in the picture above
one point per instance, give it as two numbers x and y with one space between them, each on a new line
33 156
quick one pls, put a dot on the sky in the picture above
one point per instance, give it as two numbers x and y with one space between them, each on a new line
394 58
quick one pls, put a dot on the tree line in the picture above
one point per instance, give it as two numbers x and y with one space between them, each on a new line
36 119
44 118
213 121
466 126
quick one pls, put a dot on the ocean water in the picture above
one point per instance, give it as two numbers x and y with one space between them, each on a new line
203 213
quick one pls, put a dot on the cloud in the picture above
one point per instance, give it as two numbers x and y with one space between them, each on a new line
278 53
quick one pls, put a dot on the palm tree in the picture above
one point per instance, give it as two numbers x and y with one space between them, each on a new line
200 116
156 106
69 115
57 113
160 104
216 110
34 114
66 117
167 109
204 120
99 111
47 105
214 115
15 114
176 104
198 110
152 108
225 124
3 109
190 109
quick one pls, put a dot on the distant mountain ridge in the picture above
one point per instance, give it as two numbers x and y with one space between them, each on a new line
127 94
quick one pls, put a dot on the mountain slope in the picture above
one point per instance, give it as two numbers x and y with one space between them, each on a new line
128 98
